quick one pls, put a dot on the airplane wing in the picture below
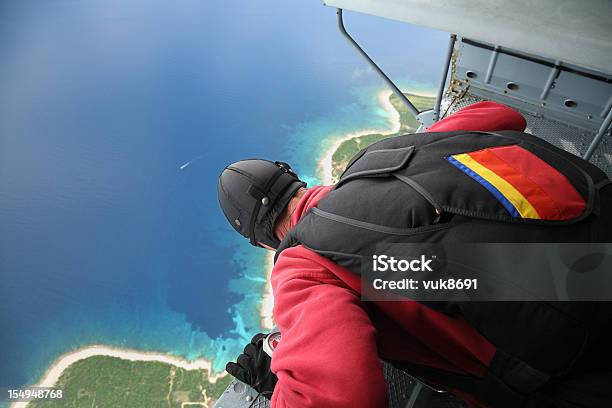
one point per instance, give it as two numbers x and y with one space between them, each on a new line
577 32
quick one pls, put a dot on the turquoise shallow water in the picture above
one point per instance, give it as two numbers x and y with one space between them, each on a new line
105 239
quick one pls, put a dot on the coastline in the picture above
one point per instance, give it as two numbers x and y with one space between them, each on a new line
267 303
54 372
325 168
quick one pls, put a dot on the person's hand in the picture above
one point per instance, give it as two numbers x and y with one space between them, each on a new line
253 367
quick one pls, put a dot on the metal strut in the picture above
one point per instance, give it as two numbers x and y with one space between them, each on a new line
380 72
603 129
449 55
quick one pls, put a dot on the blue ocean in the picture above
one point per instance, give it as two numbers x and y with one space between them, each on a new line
116 117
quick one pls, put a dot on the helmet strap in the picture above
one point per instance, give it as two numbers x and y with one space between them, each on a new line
259 195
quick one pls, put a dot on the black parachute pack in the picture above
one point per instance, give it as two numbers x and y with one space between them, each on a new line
415 188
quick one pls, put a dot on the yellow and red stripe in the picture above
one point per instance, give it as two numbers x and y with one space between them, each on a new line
524 184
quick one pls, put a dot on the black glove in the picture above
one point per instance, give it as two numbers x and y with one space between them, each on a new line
253 367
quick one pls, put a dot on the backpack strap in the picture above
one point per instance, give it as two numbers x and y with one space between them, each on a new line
507 383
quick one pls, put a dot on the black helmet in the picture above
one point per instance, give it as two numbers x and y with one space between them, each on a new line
253 193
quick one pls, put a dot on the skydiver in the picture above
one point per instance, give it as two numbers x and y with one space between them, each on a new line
332 340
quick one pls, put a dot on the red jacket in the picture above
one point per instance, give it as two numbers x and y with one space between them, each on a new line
332 341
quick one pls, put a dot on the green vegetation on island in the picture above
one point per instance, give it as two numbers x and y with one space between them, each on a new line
408 124
407 120
103 381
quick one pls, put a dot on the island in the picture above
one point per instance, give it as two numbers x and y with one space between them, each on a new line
101 376
104 381
402 121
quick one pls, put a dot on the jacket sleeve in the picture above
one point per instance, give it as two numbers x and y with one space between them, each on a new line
327 356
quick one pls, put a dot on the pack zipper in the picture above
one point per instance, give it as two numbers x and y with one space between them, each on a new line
424 193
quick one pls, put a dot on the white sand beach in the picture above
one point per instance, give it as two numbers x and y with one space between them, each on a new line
325 164
267 303
65 360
